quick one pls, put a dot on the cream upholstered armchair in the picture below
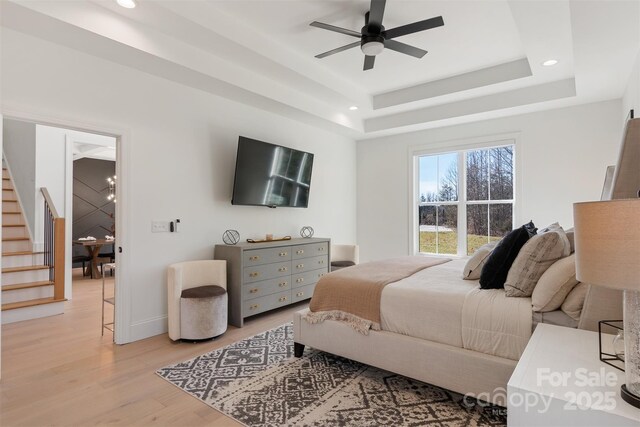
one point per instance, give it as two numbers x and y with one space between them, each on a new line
197 298
344 256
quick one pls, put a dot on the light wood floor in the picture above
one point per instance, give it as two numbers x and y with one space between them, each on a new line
60 371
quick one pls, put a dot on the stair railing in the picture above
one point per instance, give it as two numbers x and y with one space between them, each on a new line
54 245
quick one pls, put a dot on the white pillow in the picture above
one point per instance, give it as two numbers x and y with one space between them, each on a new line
569 239
535 257
473 267
574 302
554 285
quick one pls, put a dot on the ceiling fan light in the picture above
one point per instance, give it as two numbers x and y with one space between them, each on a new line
372 48
129 4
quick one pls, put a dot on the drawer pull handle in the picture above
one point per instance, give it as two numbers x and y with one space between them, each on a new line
253 274
282 254
300 280
299 294
254 306
320 274
282 299
321 248
253 291
321 261
282 269
283 284
300 266
254 258
300 251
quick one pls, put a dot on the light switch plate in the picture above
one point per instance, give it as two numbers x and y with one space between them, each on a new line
159 226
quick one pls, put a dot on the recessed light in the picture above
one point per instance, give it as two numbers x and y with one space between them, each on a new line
353 108
129 4
550 62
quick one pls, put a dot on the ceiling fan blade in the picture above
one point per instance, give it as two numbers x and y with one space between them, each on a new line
404 48
339 49
336 29
415 27
376 12
368 62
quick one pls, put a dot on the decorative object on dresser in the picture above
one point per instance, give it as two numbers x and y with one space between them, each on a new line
231 237
607 239
272 239
306 231
268 275
197 299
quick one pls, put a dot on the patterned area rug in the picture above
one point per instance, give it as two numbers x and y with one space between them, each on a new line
258 382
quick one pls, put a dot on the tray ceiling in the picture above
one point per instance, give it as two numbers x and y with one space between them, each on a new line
484 62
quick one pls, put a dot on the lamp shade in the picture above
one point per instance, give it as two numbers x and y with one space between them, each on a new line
607 242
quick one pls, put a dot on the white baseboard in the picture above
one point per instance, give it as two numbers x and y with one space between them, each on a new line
148 328
34 312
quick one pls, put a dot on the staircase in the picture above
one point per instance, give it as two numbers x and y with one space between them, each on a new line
27 283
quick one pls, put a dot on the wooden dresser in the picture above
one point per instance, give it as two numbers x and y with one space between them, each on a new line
264 276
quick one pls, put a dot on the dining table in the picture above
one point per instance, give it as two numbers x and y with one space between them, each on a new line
93 248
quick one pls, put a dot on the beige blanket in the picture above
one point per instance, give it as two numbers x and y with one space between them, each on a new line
353 294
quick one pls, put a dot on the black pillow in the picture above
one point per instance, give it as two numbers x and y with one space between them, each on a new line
495 270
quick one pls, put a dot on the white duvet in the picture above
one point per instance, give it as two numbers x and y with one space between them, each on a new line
436 304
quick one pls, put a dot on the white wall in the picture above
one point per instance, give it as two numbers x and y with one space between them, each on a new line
563 155
20 150
182 156
51 172
631 97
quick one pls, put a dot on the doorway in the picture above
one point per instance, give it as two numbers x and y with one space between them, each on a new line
77 145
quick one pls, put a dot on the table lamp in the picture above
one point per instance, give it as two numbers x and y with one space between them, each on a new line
607 242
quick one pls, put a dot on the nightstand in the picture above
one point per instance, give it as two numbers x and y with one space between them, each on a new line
559 381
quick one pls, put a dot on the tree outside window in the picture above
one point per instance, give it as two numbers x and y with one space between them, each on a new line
478 202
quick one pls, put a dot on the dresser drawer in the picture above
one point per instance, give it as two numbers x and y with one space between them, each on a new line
265 287
310 250
267 302
303 293
266 256
307 264
308 278
268 271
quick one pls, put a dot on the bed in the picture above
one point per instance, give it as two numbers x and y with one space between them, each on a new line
438 328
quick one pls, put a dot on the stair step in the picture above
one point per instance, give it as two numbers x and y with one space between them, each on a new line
26 285
26 268
30 303
14 239
18 253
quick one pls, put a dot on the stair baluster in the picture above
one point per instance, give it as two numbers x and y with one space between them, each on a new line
54 245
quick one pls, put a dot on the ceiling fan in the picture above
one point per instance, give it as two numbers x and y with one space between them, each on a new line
374 38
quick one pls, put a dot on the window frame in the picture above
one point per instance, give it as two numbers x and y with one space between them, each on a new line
458 146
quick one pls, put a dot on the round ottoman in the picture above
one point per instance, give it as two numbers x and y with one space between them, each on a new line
203 312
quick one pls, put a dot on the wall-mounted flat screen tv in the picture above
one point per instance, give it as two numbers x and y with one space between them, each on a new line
271 175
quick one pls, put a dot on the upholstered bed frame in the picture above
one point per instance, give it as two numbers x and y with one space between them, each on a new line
457 369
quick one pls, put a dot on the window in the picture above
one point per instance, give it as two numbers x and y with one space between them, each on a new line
465 199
